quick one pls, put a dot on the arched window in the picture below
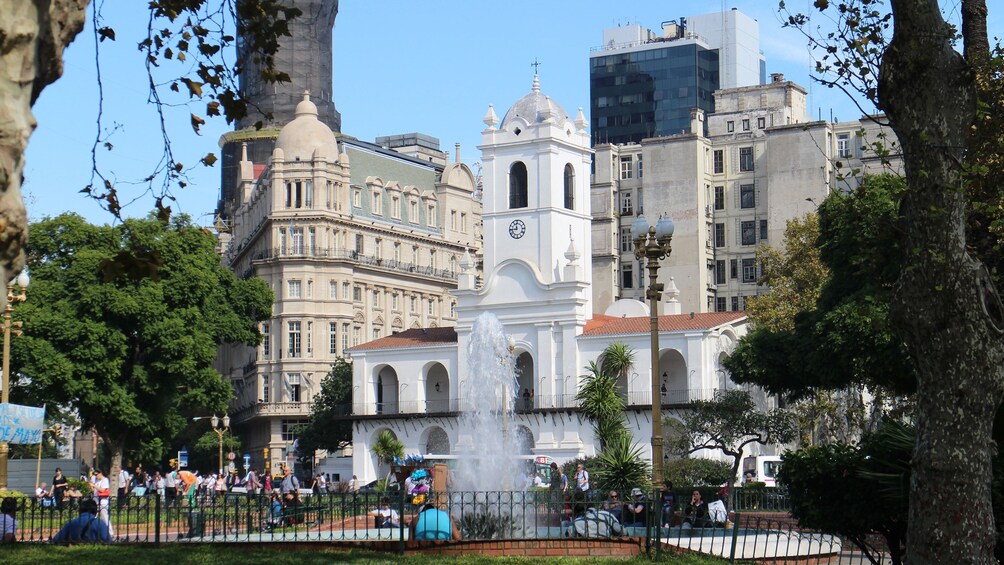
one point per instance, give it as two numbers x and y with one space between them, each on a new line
517 186
569 187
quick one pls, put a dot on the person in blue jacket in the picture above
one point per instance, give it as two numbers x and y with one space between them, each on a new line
84 528
433 524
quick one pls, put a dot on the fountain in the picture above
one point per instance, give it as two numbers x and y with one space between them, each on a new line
487 483
488 462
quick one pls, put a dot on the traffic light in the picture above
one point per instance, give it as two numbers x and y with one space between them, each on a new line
265 455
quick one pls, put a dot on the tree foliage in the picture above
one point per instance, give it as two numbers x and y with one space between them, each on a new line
187 59
845 338
946 307
729 422
855 490
328 428
386 448
132 356
600 402
794 274
697 472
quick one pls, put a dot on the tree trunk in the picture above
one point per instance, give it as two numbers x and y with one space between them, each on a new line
116 466
33 34
943 299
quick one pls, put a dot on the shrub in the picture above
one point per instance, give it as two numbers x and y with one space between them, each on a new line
622 467
686 473
83 486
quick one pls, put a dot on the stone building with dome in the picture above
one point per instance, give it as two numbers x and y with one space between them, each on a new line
537 280
357 241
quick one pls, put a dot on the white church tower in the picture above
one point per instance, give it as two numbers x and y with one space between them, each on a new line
537 263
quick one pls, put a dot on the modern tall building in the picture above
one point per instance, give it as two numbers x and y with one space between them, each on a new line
644 84
730 182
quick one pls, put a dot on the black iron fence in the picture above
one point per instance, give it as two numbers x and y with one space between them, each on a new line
483 515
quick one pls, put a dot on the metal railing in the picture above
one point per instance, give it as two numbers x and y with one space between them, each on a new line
241 517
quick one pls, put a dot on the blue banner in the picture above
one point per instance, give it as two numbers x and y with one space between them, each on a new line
21 424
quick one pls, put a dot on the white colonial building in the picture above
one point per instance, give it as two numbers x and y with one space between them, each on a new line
538 282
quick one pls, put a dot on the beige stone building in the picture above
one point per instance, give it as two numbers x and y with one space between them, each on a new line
730 184
357 242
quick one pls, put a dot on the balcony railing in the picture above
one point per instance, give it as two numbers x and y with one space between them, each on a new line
639 399
264 409
355 256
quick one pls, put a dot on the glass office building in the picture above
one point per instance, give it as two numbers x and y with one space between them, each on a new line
649 92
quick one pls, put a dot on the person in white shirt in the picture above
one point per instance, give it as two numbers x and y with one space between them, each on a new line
123 491
102 489
171 486
386 516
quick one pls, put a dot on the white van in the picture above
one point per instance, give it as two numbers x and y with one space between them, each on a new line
761 468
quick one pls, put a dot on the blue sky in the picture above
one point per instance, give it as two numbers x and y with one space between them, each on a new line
399 67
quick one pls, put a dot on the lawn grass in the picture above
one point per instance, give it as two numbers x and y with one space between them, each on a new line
178 554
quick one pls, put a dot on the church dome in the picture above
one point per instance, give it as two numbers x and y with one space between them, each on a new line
535 108
305 135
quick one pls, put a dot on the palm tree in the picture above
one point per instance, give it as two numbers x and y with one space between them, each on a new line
599 402
386 448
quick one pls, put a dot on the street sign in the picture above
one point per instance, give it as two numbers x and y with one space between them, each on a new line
182 459
247 460
231 456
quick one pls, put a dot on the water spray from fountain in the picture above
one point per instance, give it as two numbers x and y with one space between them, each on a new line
488 462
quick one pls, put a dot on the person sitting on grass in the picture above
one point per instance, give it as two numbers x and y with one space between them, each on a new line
84 528
386 517
433 524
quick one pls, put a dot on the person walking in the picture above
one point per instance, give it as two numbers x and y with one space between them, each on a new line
123 491
290 483
581 488
103 492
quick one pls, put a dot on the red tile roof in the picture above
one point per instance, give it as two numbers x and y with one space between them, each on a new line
610 325
419 337
257 170
598 325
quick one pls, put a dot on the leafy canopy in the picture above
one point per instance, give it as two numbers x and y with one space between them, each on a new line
328 427
132 356
845 338
729 422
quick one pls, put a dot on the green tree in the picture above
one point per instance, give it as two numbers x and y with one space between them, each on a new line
697 472
600 397
946 307
845 338
328 427
207 449
795 274
600 402
133 356
386 448
728 423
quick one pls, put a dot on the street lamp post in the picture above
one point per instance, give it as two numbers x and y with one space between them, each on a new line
215 422
9 327
653 243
